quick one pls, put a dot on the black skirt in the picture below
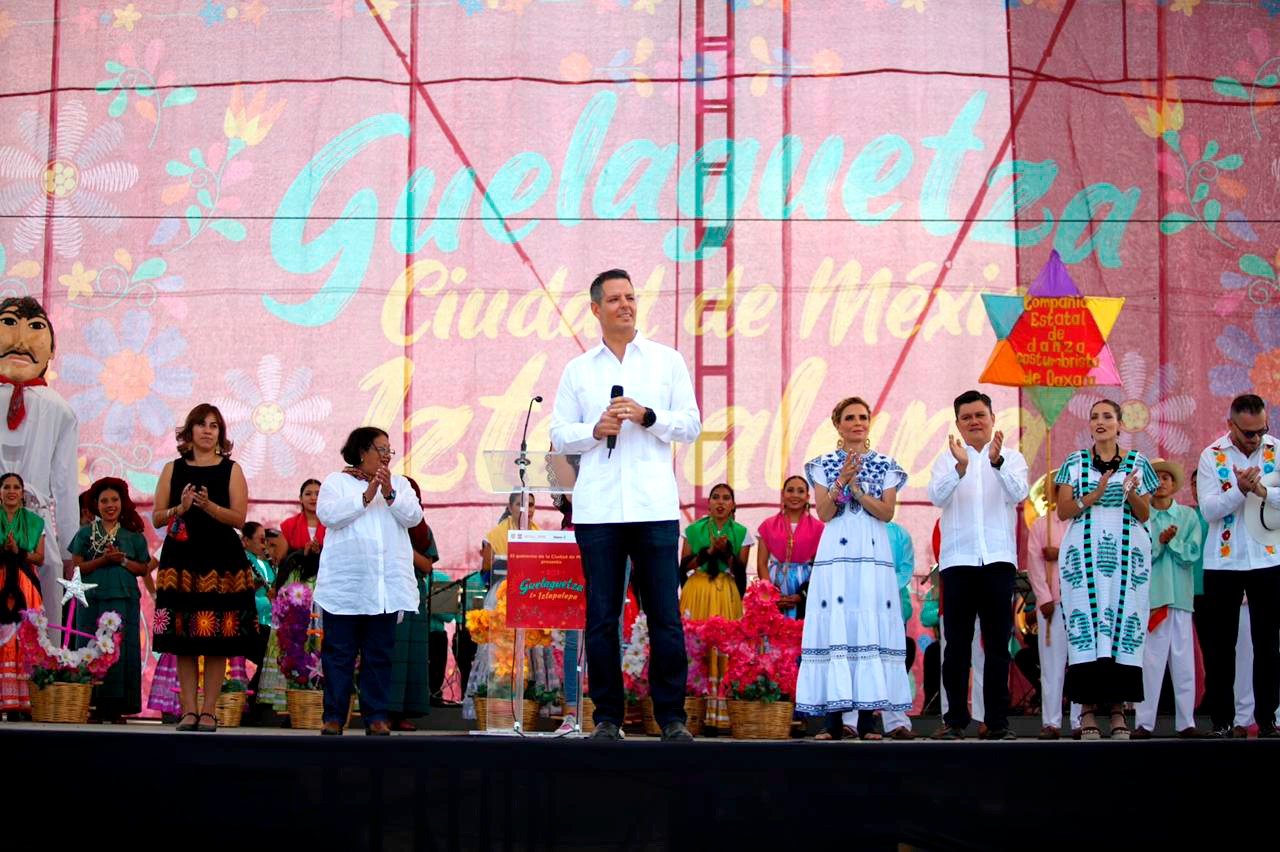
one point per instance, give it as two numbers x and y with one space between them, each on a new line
1103 681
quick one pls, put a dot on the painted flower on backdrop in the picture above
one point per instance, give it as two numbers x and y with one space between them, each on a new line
1258 280
626 64
1258 82
270 416
250 123
779 65
128 374
1156 113
126 18
77 180
1154 418
1253 361
20 278
142 83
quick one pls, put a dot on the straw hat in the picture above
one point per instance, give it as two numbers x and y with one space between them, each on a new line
1173 469
1262 521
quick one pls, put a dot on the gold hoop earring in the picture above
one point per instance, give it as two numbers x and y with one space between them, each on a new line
840 443
866 445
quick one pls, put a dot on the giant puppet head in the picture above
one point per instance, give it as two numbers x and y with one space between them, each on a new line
26 339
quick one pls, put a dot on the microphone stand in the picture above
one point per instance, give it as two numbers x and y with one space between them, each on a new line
522 465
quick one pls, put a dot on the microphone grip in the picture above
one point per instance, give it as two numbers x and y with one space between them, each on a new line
612 440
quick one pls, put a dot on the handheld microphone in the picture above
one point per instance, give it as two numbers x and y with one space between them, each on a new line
613 439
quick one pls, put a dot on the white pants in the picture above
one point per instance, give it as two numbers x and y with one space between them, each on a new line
1172 645
1053 669
892 720
977 662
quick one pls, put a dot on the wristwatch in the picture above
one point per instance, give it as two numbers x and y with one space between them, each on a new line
649 418
998 462
391 497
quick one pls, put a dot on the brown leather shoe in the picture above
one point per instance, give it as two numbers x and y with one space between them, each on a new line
1189 734
1049 732
1140 734
901 734
1239 732
378 728
331 729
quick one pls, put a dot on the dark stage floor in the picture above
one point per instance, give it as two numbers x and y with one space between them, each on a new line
249 789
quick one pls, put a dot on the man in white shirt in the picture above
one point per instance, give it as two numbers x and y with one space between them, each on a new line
1237 564
625 502
977 485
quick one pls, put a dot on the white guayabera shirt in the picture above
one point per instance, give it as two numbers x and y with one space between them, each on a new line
636 483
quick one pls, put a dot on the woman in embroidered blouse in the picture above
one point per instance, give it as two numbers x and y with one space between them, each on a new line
21 555
788 543
111 553
304 531
714 556
1104 566
854 645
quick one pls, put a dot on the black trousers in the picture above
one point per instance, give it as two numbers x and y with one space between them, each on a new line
984 592
1223 594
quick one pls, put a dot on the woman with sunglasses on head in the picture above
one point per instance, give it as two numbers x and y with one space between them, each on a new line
366 577
1104 566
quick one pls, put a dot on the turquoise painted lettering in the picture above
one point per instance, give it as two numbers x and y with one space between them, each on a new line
780 171
349 239
726 202
609 201
1028 184
581 155
508 197
879 167
949 153
1078 216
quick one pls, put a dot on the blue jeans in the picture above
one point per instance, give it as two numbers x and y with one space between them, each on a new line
652 547
372 637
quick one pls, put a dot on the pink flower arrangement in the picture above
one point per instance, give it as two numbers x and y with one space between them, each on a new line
763 647
698 682
47 663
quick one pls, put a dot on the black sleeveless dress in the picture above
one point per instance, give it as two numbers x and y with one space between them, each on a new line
204 588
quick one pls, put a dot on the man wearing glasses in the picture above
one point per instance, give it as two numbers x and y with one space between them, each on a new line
1239 563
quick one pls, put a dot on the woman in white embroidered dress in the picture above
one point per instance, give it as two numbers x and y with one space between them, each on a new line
854 644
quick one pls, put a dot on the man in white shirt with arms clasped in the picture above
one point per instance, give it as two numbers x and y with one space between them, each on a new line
1236 482
978 484
625 503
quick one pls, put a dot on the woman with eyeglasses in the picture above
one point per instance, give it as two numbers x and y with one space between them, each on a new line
366 577
1104 566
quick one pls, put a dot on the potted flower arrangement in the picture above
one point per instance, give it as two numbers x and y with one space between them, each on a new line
300 640
61 680
493 699
764 662
697 683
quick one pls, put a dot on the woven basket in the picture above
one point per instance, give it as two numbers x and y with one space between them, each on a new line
306 709
651 726
588 710
633 718
229 709
61 702
695 709
759 720
501 714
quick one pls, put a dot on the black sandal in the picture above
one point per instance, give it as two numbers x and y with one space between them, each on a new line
184 725
207 729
